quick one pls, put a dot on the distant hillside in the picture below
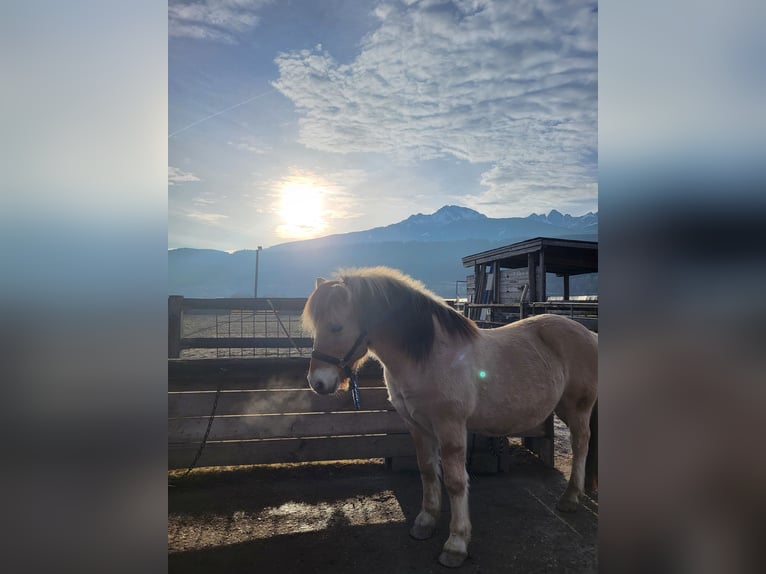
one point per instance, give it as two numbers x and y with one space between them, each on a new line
428 247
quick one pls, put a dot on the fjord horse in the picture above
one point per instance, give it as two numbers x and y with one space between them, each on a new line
446 376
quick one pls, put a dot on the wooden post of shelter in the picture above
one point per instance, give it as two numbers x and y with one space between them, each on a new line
532 271
523 301
175 325
478 290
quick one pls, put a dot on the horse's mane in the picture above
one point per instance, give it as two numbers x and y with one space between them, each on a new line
402 309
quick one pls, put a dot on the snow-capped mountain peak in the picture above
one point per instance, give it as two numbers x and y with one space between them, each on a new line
445 215
558 219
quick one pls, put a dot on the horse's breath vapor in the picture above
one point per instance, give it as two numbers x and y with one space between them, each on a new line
446 376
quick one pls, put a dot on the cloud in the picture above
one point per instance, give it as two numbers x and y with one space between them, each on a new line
512 84
176 175
208 218
249 144
216 20
511 189
206 199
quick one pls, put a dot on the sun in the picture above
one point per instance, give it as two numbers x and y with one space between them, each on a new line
301 208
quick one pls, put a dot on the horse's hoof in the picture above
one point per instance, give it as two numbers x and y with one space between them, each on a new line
451 559
420 532
566 505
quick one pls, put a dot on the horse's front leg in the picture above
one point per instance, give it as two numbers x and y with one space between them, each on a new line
453 449
427 452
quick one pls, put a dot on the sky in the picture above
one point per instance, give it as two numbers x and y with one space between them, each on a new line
289 120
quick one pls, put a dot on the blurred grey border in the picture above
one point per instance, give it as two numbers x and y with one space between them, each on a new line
682 156
83 285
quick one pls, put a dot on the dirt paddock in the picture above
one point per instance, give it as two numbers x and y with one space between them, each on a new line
353 516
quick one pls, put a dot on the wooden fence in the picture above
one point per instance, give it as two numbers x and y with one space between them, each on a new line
265 412
498 314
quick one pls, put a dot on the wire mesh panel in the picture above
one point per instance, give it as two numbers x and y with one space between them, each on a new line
229 331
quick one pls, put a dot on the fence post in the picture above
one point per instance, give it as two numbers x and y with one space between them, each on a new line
175 324
543 446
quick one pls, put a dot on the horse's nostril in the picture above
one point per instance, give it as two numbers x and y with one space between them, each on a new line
319 386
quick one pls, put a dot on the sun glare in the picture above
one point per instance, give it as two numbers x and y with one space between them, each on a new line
301 209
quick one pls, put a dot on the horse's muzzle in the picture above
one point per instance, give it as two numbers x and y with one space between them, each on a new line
324 380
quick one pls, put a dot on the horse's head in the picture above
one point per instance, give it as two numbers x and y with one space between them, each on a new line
339 340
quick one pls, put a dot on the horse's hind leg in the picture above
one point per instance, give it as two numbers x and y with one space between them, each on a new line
578 421
427 452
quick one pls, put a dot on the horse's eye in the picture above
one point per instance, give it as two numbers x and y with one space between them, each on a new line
336 328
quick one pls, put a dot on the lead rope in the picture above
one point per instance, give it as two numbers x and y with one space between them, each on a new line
354 386
222 371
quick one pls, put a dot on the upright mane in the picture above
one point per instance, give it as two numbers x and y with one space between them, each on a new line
403 309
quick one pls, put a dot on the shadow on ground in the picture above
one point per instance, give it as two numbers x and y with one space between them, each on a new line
354 517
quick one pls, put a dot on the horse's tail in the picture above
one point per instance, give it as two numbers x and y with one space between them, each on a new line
591 461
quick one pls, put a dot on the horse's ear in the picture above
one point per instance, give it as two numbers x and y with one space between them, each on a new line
319 281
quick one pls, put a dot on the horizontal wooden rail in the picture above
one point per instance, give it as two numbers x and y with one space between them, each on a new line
541 307
581 307
293 450
246 343
286 426
200 404
280 304
252 374
584 312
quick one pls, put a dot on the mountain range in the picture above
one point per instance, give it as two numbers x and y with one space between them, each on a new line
428 247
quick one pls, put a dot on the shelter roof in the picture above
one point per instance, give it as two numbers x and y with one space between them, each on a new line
562 256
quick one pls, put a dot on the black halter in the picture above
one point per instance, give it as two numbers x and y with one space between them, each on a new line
343 365
340 363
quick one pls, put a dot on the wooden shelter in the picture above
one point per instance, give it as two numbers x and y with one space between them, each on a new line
515 274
